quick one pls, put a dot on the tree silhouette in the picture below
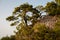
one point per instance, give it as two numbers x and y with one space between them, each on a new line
20 14
27 20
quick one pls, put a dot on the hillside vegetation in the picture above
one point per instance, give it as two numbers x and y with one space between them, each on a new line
36 26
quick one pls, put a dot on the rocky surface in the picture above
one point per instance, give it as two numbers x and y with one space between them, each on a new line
49 21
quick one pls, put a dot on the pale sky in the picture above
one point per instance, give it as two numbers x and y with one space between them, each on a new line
6 9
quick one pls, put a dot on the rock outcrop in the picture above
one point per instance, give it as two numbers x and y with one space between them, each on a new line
49 21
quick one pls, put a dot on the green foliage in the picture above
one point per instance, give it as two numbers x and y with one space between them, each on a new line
37 30
25 31
57 30
57 26
52 9
43 33
20 12
12 37
11 18
5 38
8 38
58 2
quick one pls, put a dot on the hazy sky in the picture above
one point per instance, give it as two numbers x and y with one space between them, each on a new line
6 9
